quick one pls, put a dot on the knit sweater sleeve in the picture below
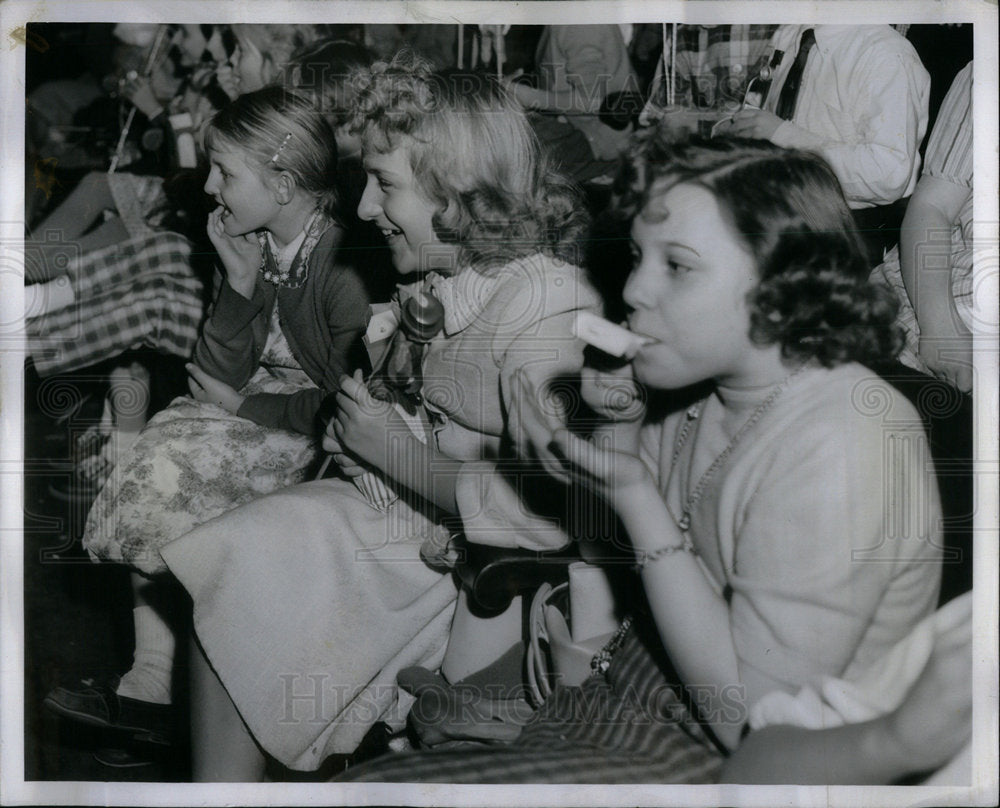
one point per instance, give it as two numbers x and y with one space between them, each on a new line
226 349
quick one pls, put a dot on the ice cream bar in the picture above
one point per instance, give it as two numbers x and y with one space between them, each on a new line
608 337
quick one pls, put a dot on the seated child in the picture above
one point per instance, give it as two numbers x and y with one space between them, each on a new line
784 522
463 196
281 333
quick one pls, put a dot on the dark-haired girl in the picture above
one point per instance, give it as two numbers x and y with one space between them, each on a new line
785 521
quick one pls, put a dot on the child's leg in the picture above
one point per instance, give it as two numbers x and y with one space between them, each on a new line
222 748
149 679
61 235
80 209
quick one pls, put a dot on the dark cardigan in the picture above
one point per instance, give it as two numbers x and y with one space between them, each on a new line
322 321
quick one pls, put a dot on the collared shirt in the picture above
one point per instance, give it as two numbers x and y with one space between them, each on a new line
862 105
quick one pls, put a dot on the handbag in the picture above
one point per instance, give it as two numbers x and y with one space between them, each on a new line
571 643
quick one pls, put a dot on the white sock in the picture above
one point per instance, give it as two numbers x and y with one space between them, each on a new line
153 662
41 298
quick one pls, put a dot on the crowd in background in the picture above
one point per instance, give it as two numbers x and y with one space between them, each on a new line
250 227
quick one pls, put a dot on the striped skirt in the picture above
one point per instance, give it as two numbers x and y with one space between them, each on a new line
628 726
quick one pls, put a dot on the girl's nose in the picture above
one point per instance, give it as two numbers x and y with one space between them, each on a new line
634 294
210 183
368 207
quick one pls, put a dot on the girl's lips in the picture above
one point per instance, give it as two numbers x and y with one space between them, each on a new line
608 337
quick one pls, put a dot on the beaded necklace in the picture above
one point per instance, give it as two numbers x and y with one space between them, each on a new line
294 274
693 413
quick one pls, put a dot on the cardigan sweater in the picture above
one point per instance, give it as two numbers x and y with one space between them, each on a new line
322 320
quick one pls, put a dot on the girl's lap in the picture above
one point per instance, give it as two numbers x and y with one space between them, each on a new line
311 591
191 463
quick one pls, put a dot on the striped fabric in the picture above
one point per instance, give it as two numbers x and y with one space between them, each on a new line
142 292
626 727
949 157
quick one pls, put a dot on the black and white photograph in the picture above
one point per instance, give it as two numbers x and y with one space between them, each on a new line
494 403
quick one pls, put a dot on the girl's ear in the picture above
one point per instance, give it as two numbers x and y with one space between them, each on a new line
284 188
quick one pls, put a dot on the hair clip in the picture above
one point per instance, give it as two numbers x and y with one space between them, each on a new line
274 157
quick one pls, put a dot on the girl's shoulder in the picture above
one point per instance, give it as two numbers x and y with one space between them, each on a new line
331 274
544 284
852 394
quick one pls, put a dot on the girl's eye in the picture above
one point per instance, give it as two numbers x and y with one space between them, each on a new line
676 269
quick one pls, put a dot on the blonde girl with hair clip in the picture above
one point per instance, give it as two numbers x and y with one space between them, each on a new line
465 199
282 331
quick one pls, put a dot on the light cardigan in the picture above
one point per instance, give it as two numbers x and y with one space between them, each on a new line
517 318
825 522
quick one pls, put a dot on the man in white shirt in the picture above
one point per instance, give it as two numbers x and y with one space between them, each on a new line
861 103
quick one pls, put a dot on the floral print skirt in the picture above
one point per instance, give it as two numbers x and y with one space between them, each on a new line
192 462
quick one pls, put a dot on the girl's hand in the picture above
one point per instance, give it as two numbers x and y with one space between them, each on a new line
752 123
140 93
539 421
611 473
613 394
349 466
211 391
363 424
240 255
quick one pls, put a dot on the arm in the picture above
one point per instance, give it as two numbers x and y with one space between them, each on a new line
685 605
855 754
888 107
225 350
930 725
691 616
924 262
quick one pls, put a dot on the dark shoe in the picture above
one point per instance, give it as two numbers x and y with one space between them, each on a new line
96 703
122 758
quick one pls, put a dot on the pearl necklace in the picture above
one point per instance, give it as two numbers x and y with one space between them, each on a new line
693 413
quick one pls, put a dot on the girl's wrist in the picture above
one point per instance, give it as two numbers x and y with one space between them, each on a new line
243 285
637 496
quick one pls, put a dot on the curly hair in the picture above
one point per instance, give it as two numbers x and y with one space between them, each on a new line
813 297
476 157
281 131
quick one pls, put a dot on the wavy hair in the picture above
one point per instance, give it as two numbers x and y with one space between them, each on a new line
787 206
476 157
281 131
